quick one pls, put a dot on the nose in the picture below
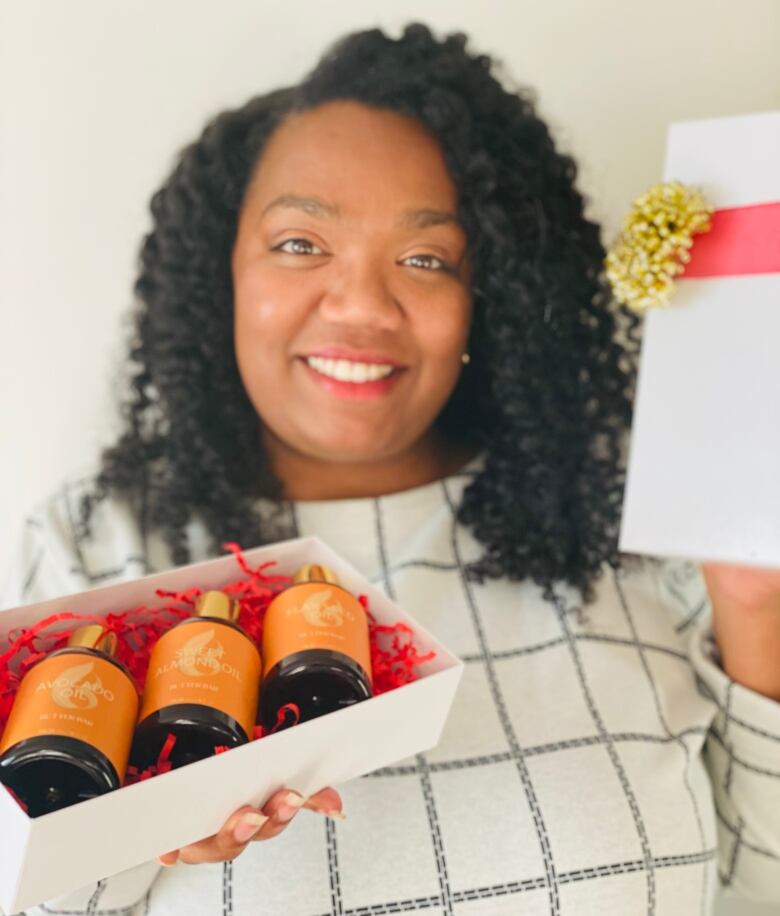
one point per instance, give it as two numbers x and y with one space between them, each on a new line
361 295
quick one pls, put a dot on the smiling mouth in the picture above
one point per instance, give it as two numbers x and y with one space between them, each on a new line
352 371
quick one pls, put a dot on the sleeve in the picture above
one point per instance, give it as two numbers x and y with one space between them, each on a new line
46 561
741 751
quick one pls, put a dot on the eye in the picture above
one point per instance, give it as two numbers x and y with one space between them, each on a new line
299 246
427 262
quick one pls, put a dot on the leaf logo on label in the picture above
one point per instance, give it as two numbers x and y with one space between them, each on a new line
319 613
69 694
196 658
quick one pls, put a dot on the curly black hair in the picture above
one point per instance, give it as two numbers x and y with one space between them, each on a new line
547 395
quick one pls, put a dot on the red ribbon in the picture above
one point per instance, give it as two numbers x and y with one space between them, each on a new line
742 240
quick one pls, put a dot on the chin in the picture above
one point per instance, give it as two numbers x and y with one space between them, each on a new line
351 454
352 450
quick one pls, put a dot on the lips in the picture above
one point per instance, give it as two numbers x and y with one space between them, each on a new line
345 371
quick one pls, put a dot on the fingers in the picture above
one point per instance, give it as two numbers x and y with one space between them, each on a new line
231 840
248 824
327 802
280 809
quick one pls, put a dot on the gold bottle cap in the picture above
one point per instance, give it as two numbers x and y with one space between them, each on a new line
217 604
94 636
314 572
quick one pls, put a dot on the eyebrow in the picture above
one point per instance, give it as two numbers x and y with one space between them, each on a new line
315 206
422 219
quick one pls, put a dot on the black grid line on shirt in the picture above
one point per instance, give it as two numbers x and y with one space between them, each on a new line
518 754
227 888
710 694
727 707
580 637
94 900
115 911
464 763
729 876
693 613
584 874
32 572
754 729
751 767
726 719
433 822
729 773
74 530
692 617
612 753
76 534
396 906
434 828
734 831
336 902
104 574
473 893
529 884
665 725
415 564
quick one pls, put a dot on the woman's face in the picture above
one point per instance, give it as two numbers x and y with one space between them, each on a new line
352 294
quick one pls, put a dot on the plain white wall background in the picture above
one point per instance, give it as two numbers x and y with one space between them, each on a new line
97 97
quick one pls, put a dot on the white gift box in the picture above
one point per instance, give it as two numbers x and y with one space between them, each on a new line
703 477
56 853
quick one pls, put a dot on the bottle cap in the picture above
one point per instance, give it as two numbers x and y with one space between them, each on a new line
94 636
314 572
217 604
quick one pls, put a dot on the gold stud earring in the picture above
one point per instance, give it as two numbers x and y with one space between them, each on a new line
465 359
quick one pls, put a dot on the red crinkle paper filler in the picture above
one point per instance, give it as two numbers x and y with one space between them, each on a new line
394 657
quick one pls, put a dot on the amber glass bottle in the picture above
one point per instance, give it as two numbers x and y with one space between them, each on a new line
70 728
201 687
316 651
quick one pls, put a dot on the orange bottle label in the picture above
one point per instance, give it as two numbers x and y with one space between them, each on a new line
208 663
76 695
315 615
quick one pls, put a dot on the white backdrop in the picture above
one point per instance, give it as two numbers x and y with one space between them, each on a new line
96 97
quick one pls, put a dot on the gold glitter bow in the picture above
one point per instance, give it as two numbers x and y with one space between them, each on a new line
655 243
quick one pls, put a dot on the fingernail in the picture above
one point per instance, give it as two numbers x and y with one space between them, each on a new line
336 815
160 861
248 826
291 804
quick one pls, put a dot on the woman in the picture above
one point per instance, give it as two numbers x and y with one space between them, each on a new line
371 308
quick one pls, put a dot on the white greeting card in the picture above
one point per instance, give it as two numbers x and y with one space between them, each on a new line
704 462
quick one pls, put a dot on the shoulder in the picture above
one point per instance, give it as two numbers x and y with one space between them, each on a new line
53 554
667 590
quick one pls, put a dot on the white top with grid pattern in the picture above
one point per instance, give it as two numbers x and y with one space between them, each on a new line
596 762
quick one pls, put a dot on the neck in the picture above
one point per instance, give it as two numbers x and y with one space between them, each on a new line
305 477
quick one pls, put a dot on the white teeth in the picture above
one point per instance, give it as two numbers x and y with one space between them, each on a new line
345 370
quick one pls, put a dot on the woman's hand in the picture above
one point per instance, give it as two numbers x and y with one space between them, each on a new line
746 622
247 824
